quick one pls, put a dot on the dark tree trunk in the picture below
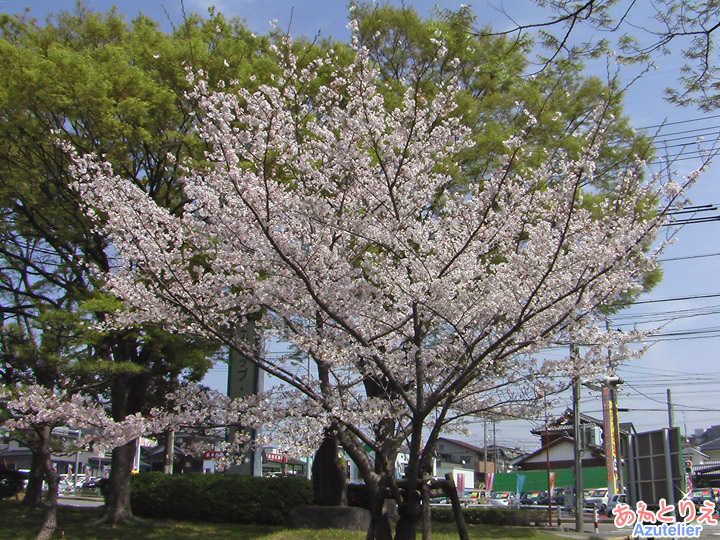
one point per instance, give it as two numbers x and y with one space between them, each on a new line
51 477
128 397
33 491
426 512
451 492
380 528
329 487
410 511
117 502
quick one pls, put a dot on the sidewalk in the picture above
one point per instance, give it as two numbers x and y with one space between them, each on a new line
606 528
569 532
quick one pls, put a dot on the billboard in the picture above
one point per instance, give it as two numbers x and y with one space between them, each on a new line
656 467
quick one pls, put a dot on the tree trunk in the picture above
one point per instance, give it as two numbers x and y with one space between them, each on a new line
451 492
33 491
379 521
426 512
51 477
410 512
117 502
128 397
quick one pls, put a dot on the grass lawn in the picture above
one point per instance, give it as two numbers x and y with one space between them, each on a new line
77 524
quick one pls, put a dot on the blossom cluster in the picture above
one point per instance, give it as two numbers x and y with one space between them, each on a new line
35 406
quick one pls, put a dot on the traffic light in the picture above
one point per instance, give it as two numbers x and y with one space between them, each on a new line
688 466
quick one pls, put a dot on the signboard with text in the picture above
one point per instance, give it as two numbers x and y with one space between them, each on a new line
245 379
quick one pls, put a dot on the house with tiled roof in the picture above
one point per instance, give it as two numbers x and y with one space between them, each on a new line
461 453
557 443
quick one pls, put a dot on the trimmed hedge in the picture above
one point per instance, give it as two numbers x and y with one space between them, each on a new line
11 482
218 497
493 516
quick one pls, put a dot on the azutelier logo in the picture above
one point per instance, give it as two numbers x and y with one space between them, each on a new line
662 523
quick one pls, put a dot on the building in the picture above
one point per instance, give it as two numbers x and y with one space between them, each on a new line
557 444
703 436
14 456
275 463
463 458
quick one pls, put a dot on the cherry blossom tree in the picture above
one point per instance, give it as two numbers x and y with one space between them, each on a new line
31 413
39 410
330 216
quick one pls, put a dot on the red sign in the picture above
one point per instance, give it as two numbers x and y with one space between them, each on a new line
279 458
212 454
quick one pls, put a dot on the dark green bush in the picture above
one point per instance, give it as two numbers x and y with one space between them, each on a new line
218 497
493 516
358 495
11 483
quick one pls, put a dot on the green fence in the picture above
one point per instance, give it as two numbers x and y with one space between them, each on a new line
593 477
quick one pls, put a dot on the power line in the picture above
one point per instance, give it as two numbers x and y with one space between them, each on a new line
678 122
675 299
702 131
688 257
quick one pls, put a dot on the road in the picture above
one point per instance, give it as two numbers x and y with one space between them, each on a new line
607 529
79 502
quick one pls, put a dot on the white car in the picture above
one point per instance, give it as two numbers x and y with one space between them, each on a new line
613 502
502 498
597 499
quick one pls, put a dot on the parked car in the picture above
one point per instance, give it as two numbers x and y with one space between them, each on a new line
613 502
475 495
65 485
558 497
597 499
700 495
90 483
531 497
502 498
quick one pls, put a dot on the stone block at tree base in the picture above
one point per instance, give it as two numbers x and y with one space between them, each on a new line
349 518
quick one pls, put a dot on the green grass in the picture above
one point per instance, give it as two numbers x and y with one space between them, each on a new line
77 524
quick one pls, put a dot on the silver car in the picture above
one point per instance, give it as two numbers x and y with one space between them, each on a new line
502 498
597 499
613 502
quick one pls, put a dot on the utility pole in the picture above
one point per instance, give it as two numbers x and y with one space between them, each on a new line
671 418
77 460
169 451
611 431
485 461
547 459
309 458
495 452
577 454
618 441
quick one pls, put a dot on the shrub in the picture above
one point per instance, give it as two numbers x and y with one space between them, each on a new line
11 483
218 497
358 495
493 516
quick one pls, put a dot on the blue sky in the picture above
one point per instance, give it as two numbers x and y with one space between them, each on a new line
689 367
